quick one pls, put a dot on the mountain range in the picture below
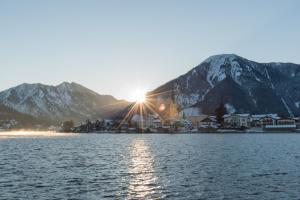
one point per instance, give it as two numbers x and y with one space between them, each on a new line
242 85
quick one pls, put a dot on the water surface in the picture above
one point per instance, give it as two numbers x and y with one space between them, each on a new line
155 166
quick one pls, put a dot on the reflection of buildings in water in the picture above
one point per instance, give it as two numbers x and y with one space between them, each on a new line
142 182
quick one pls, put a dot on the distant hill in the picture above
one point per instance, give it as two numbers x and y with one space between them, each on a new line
244 86
62 102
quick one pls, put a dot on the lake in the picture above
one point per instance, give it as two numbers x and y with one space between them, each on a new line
149 166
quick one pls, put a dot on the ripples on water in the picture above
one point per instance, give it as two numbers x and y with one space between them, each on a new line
107 166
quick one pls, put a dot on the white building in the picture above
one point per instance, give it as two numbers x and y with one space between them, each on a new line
149 121
237 120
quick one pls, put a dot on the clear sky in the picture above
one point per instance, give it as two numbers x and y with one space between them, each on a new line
114 47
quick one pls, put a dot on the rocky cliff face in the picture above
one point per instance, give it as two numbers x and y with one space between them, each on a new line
242 85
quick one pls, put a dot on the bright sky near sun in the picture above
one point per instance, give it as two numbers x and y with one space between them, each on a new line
113 47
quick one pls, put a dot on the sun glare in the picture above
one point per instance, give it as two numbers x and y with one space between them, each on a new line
139 96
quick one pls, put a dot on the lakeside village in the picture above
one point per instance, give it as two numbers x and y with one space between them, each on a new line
176 122
233 123
192 123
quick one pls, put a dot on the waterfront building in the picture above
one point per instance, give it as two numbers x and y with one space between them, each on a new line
268 120
208 121
286 121
237 120
297 122
263 119
280 128
152 121
148 121
124 127
196 119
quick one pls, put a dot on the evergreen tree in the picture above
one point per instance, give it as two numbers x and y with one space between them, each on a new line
67 126
220 112
183 115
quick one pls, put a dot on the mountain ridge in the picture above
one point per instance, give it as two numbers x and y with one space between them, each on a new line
244 86
196 87
61 102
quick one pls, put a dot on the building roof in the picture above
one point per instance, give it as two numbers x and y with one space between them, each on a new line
240 115
269 116
208 119
259 116
226 115
244 115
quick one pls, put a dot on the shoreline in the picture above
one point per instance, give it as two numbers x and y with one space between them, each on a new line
34 132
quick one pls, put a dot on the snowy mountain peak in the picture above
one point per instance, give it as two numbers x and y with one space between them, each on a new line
64 84
217 68
69 85
220 58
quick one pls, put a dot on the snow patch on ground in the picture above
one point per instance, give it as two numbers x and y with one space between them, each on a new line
216 69
287 107
187 82
203 96
194 72
268 76
256 78
251 95
230 109
236 72
186 100
249 68
191 111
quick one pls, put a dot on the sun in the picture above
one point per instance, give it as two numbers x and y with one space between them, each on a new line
139 95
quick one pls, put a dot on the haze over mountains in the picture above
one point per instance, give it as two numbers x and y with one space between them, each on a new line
244 86
62 102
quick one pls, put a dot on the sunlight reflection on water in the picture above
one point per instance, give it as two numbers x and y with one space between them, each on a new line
142 184
31 134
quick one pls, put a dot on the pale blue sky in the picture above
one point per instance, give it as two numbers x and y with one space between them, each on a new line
113 47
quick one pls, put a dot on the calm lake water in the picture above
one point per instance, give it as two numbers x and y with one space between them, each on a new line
136 166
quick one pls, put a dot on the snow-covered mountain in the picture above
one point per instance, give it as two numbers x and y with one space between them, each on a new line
242 85
62 102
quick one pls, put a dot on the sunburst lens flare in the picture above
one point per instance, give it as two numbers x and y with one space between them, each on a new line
139 96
